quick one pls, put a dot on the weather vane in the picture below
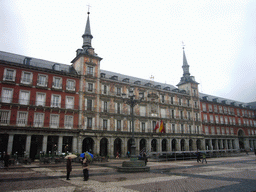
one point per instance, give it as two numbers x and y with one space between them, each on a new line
88 8
152 77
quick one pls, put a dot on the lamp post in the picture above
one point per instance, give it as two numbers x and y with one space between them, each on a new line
132 101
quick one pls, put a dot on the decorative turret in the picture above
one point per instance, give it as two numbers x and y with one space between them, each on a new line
87 36
186 75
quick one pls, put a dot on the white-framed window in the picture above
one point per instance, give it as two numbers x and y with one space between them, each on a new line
205 118
9 74
162 98
57 83
210 108
90 87
69 102
118 91
216 119
118 125
118 108
143 127
54 120
218 130
105 124
7 94
223 131
90 70
211 118
89 122
89 104
22 118
71 85
232 131
38 119
104 89
5 117
68 123
173 128
213 131
189 115
226 120
56 101
227 131
24 97
42 80
239 122
220 109
26 77
104 106
40 99
215 108
206 129
221 120
204 106
143 111
163 112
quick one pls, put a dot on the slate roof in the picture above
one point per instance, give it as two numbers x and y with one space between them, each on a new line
30 61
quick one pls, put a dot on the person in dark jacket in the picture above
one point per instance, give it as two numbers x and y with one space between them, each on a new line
85 166
69 167
145 158
6 160
198 157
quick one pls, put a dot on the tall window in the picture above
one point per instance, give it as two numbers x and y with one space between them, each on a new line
42 80
173 128
105 106
142 110
38 120
22 118
217 119
210 108
68 123
90 86
69 102
105 124
180 101
24 97
26 77
204 106
118 108
118 125
189 116
105 89
118 91
9 75
90 70
89 104
5 117
54 121
40 99
162 98
182 128
173 113
57 83
55 101
89 122
143 127
7 95
171 100
213 131
215 109
71 85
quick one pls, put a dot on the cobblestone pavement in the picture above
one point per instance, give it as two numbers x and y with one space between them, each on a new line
219 174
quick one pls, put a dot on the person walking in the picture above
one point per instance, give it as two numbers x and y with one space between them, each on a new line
145 158
69 167
204 158
198 157
6 160
85 169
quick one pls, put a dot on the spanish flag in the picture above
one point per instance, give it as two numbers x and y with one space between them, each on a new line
161 128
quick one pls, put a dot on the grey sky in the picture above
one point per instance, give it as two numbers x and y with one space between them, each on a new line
144 38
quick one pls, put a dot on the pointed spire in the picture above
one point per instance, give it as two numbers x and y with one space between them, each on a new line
185 65
87 36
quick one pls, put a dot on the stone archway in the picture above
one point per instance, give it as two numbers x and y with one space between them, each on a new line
154 145
241 139
104 147
143 147
174 145
182 145
190 144
164 145
88 144
198 144
117 147
129 144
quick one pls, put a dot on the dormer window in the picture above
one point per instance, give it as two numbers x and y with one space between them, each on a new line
148 84
126 80
103 75
56 67
114 77
118 91
167 88
137 82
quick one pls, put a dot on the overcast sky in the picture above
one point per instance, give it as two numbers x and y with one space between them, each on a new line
144 38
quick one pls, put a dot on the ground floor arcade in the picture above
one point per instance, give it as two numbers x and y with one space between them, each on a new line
32 144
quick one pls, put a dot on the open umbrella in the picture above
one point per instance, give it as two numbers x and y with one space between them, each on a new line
72 156
82 155
88 156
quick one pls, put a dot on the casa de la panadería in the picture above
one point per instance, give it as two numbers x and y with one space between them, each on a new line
53 108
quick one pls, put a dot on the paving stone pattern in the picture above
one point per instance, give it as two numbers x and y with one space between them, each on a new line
219 174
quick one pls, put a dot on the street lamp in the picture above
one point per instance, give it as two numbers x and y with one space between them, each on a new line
132 101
